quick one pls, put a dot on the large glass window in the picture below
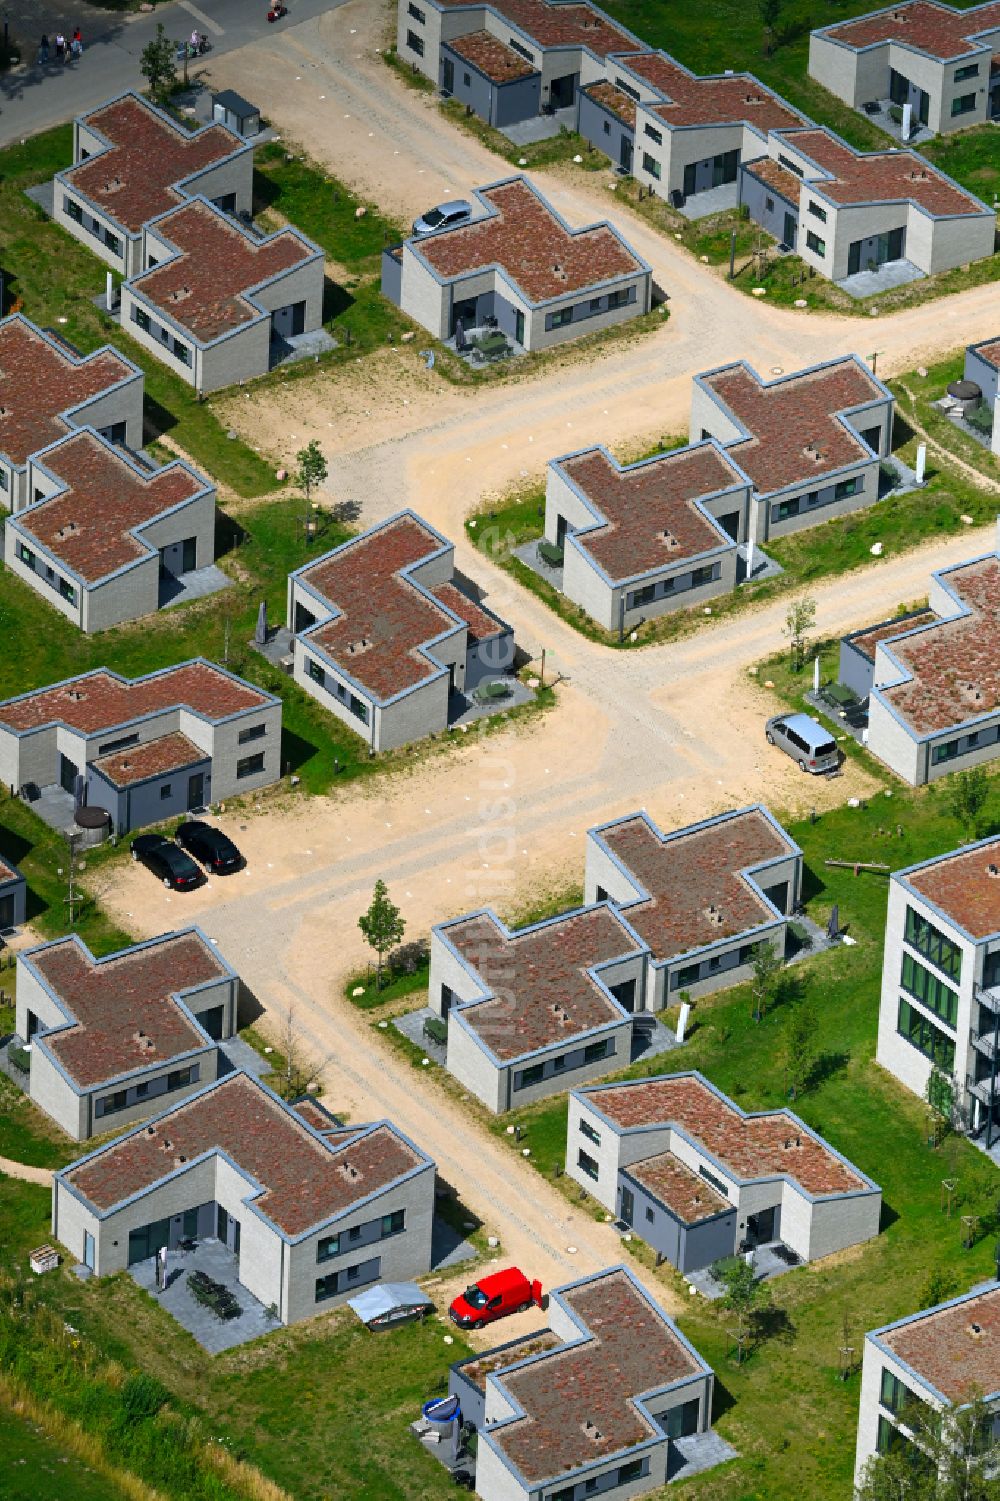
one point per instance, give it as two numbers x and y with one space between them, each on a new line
250 766
328 1247
651 165
929 941
894 1395
587 1130
934 993
394 1223
921 1033
588 1165
595 1051
964 105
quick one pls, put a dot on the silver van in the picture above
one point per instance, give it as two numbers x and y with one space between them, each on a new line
805 740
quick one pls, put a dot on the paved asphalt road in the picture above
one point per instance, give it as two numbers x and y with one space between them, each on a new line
33 97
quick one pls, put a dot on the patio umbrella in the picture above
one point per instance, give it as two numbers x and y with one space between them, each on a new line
260 634
833 926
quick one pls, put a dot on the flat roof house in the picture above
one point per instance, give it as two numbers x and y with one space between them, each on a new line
699 1179
13 896
939 60
132 163
310 1215
941 979
682 136
936 1361
383 637
809 442
536 1010
982 367
146 749
512 59
935 679
846 212
641 539
109 1039
522 264
105 537
609 1401
48 390
217 301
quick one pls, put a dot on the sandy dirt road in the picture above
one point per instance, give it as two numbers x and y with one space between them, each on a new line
675 729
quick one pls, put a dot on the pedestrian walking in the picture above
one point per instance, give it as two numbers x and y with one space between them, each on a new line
60 47
76 46
43 49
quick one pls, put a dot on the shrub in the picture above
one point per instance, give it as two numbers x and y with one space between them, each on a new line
141 1396
20 1058
409 957
436 1030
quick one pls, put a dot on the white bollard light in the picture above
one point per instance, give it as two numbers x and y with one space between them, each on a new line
921 462
109 291
682 1020
907 127
816 675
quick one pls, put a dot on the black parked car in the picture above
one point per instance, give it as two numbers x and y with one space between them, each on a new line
209 845
164 859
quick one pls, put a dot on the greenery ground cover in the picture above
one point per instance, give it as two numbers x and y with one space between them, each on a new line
786 1409
37 1467
899 521
916 394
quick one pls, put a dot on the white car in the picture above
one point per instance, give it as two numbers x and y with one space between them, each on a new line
445 216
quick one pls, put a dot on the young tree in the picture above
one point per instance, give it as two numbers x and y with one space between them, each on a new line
157 63
953 1457
800 618
301 1068
765 966
382 925
312 468
800 1046
968 796
770 10
940 1285
940 1096
744 1296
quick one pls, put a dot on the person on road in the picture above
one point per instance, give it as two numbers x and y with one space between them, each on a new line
76 45
43 48
60 47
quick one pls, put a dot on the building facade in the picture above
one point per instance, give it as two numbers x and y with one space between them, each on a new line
110 1039
13 897
809 443
146 749
385 640
599 1404
311 1212
521 264
932 57
50 391
104 533
681 1165
940 1006
924 1366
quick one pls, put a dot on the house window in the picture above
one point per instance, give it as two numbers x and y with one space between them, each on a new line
787 162
946 751
140 319
650 1216
182 353
768 204
315 671
561 318
73 210
971 70
640 597
651 165
785 508
895 1395
963 105
467 80
927 940
607 127
112 1103
588 1164
113 243
634 1470
358 708
621 298
4 480
587 1130
415 43
689 975
326 1287
627 88
122 743
717 1183
654 135
922 1034
815 244
26 555
328 1247
254 732
250 766
847 487
521 51
354 1233
704 575
817 212
528 1076
416 12
927 988
67 591
595 1051
394 1223
166 791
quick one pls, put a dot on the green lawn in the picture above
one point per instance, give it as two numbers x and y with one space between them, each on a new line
39 1468
915 395
971 157
899 522
786 1410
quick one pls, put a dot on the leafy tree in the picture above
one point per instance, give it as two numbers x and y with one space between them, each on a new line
952 1457
312 468
157 63
968 795
744 1296
940 1285
770 10
765 965
800 618
800 1046
940 1096
382 925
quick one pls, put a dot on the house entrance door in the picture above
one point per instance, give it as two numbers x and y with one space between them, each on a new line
791 230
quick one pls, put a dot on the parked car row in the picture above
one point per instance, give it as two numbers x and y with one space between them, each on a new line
170 859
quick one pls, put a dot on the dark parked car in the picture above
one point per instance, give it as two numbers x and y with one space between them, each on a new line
214 849
164 859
